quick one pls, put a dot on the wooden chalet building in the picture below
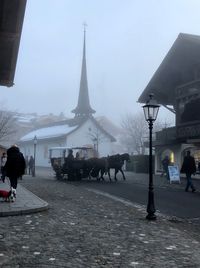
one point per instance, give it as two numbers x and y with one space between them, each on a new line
176 86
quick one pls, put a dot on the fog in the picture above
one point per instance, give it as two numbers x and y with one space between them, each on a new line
125 44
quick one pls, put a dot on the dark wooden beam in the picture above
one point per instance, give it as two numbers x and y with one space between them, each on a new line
11 22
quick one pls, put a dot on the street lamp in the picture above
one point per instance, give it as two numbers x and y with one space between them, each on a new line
95 140
35 143
150 111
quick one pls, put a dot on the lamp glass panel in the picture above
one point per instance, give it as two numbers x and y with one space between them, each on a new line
146 112
156 112
151 112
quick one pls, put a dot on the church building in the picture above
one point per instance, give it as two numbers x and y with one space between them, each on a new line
82 130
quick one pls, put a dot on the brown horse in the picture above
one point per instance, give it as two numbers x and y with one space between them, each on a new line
115 162
99 165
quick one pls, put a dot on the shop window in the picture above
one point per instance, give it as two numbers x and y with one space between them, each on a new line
171 157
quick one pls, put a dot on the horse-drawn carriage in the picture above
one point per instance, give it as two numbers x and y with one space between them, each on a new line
69 162
85 164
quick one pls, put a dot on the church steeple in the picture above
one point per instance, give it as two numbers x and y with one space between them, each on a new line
83 108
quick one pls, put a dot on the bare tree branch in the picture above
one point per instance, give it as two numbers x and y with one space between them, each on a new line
96 137
7 125
136 131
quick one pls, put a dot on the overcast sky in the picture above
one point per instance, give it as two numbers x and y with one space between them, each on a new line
126 40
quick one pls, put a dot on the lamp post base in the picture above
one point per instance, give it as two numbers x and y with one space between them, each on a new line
151 207
151 217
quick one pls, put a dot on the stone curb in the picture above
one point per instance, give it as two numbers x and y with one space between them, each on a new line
28 203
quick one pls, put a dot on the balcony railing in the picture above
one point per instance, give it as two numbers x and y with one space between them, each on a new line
165 135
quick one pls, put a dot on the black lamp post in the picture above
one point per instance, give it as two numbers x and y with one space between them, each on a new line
150 111
96 145
35 143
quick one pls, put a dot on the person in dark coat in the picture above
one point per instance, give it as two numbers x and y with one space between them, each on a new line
26 161
3 162
15 166
189 168
165 164
70 156
199 167
31 164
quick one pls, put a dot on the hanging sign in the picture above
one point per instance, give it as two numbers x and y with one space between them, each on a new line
174 174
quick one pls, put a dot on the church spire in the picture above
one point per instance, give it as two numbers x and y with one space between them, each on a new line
83 108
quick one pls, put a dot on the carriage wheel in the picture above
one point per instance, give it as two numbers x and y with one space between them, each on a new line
71 176
59 175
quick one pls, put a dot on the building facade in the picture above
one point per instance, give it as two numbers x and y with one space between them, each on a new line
176 86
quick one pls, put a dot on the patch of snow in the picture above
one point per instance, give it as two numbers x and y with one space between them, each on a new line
48 132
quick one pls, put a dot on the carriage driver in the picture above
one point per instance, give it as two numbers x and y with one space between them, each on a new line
70 155
77 156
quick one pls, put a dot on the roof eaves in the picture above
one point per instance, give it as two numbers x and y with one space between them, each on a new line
154 84
45 138
103 130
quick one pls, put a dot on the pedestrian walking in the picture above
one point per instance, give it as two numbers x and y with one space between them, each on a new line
31 164
189 168
15 166
26 169
199 167
165 164
3 162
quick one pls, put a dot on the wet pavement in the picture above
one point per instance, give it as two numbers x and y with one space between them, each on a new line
83 228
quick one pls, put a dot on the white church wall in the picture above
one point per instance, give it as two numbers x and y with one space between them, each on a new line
84 136
42 150
105 148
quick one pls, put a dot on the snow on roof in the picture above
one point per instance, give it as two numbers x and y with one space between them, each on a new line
48 132
25 118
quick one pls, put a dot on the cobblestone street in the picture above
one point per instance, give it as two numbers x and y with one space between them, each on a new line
85 229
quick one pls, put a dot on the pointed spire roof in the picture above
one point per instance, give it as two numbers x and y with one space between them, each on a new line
83 108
